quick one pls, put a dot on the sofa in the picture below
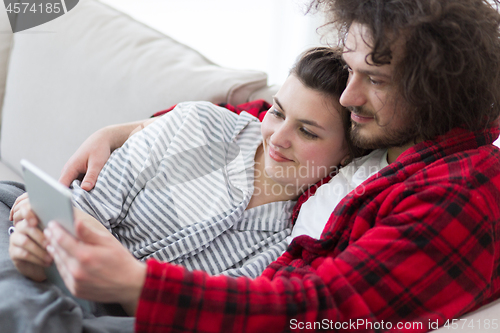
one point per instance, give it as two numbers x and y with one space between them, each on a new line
95 66
92 67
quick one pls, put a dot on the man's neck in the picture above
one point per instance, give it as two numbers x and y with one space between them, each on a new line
394 152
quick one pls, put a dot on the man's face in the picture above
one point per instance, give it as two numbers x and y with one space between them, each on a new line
371 95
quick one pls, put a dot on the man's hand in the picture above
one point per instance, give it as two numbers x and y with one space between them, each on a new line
88 160
96 266
91 156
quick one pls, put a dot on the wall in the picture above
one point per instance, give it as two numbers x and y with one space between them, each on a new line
266 35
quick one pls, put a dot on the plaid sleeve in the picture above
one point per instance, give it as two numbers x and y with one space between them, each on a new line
426 259
418 246
177 300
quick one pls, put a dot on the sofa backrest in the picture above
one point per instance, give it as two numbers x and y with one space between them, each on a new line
96 66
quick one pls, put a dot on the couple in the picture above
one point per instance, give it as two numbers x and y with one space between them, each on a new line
165 195
212 190
419 244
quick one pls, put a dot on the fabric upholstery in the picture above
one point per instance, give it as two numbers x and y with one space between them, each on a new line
95 66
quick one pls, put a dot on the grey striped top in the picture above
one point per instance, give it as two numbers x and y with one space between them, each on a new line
177 191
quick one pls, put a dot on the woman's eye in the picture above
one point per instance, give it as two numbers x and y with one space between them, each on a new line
276 113
308 134
375 82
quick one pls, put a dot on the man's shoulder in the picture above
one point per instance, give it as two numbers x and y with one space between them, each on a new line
470 161
472 170
467 182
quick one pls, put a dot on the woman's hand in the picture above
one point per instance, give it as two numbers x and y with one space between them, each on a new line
91 156
27 243
96 266
21 210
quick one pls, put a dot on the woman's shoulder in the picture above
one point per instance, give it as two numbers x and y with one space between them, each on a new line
217 118
204 108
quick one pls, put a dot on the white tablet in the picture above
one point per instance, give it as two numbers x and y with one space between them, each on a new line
49 199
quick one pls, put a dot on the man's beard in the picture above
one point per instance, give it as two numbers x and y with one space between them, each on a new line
390 137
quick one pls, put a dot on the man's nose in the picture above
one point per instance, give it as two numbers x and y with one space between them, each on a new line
353 94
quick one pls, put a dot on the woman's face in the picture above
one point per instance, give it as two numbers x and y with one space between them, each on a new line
303 136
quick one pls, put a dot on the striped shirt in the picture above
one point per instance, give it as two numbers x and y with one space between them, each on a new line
177 191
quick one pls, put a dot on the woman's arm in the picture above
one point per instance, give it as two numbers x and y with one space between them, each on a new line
91 156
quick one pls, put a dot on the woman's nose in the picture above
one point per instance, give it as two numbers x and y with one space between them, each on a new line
281 136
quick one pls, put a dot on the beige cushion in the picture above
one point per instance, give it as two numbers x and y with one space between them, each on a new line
95 66
6 173
267 93
5 44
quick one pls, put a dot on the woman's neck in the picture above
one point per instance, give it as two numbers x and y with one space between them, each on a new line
266 190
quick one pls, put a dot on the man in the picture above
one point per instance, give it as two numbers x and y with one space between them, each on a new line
418 246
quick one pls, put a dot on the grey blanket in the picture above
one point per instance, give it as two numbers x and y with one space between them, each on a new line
28 306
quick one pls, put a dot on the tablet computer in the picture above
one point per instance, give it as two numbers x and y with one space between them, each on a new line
51 201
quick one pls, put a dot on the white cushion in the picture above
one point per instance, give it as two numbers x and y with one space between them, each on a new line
6 173
96 66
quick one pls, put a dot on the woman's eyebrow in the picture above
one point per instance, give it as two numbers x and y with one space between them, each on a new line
305 121
311 123
275 99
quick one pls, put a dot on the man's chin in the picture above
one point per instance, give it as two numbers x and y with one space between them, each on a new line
397 139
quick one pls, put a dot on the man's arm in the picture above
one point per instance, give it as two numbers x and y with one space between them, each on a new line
91 156
95 265
89 159
398 271
429 256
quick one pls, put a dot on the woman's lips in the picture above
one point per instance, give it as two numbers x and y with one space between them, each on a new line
360 119
277 156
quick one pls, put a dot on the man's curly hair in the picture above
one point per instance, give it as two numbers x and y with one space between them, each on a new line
449 75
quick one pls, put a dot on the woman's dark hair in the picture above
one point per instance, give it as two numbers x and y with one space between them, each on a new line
322 69
449 75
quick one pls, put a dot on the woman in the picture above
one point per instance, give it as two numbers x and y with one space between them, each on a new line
233 216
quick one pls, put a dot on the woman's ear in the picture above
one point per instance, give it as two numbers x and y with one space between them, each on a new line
346 160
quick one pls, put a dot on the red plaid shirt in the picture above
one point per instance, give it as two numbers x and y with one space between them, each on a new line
419 244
